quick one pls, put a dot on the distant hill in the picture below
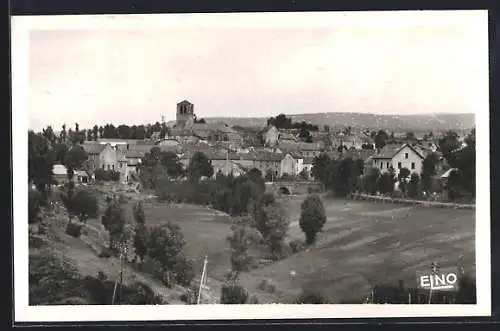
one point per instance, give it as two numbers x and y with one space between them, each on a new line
421 122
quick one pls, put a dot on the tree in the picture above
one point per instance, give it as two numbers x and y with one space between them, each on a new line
429 170
311 297
114 220
83 204
74 159
386 183
199 166
171 162
232 292
370 181
271 220
40 163
319 167
241 238
255 175
410 136
312 217
402 178
139 215
413 186
305 135
448 144
454 184
381 139
360 166
465 161
304 174
164 243
343 175
35 201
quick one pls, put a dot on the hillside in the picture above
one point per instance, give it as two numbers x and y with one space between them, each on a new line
421 122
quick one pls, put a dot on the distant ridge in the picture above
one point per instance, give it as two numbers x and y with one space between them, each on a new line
415 122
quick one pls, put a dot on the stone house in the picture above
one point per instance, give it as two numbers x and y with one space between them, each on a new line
405 156
291 164
271 137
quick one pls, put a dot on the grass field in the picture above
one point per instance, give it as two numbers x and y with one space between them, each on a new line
362 244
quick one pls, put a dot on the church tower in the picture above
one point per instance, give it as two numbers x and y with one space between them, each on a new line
185 115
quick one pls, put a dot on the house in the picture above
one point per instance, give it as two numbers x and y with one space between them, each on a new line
267 162
306 149
271 136
108 158
60 174
291 164
405 156
307 165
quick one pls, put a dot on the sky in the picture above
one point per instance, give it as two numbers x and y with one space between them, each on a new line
126 71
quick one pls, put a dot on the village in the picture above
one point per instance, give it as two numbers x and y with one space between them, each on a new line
281 154
242 200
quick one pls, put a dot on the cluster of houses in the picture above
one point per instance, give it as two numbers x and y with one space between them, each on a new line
283 152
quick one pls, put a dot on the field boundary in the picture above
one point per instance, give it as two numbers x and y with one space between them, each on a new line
423 203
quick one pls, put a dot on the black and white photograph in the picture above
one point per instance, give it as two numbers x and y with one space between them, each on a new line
291 165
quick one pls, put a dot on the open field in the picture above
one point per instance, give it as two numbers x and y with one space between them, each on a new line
363 244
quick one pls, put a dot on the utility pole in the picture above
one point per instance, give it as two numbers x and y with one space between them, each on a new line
202 280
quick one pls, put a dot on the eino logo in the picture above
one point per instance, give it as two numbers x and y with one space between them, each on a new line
443 280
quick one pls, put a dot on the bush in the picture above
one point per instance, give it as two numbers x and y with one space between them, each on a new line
296 245
74 230
190 297
107 175
312 217
105 253
184 271
311 297
233 293
153 267
282 251
253 300
267 286
35 200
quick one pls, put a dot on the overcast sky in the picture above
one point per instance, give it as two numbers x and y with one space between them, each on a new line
390 62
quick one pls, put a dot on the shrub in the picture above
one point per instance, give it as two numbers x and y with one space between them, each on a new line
153 267
107 175
190 297
311 297
35 200
74 230
253 300
267 286
184 271
296 245
312 217
233 293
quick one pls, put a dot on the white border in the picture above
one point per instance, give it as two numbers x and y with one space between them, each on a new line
21 26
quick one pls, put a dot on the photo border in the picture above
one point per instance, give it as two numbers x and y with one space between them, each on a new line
21 25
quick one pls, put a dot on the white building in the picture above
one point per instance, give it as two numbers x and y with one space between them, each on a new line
405 156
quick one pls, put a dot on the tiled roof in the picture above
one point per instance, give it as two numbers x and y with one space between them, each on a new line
389 152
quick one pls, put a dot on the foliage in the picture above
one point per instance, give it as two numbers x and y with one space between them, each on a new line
82 204
386 183
380 139
199 166
107 175
40 163
342 176
74 159
139 215
74 230
403 175
414 186
139 240
454 185
172 164
311 297
429 166
448 144
371 180
319 167
283 122
239 241
233 293
114 220
271 220
35 201
184 271
296 245
312 217
164 243
255 175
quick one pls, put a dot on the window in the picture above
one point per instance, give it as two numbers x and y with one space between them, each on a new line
399 165
108 167
103 167
412 165
406 155
113 166
381 165
387 165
